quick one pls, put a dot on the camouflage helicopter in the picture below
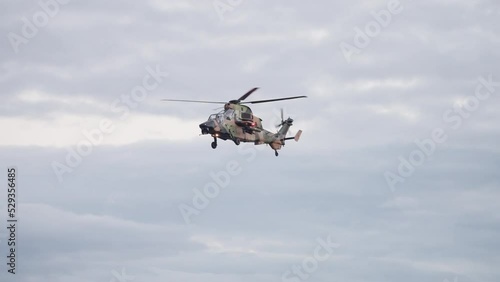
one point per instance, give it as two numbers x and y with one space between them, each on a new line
237 122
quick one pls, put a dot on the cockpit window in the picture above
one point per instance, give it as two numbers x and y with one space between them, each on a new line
228 114
220 117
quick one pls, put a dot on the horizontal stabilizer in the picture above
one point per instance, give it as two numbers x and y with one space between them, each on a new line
296 138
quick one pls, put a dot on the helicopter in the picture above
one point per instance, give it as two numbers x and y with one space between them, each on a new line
236 122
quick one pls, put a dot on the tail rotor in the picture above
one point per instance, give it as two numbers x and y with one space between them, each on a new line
288 121
282 120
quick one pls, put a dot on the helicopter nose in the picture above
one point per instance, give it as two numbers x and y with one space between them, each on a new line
207 127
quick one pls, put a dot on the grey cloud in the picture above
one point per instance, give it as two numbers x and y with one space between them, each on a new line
120 207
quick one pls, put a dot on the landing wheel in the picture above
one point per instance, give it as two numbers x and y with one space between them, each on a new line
276 153
214 145
237 141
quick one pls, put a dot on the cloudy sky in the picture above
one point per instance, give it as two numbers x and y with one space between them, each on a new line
114 185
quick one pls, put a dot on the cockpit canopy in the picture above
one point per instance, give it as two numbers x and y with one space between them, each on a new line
222 115
242 115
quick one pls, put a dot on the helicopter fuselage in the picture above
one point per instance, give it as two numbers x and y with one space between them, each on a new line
237 122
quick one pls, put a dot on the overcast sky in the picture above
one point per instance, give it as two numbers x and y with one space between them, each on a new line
378 75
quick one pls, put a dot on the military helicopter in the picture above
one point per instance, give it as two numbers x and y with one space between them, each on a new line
237 123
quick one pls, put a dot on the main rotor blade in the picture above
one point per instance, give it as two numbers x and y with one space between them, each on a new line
273 100
193 101
247 94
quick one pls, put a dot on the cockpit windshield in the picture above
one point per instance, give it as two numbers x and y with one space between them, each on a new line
219 117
